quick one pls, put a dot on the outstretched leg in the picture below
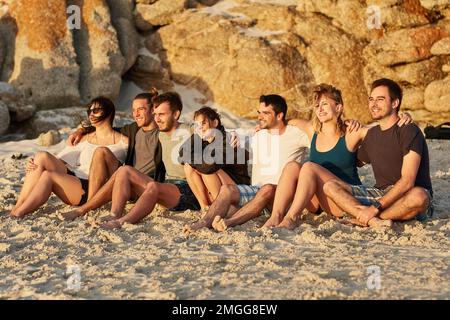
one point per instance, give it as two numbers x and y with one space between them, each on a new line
102 197
264 198
228 197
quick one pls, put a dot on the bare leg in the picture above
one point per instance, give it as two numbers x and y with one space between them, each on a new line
66 187
228 196
340 193
127 179
284 193
214 182
166 194
45 162
309 195
264 198
103 165
102 197
406 208
197 185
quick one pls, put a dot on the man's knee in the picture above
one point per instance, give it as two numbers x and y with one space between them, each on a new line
267 191
417 198
227 190
151 187
124 171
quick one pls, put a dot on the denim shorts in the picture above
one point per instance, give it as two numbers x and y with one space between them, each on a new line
368 196
187 197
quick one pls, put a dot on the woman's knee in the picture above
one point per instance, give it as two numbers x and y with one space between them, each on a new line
124 171
292 167
102 153
41 157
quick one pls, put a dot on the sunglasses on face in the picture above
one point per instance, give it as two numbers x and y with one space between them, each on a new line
94 111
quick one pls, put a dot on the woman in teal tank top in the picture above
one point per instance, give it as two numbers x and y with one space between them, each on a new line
339 160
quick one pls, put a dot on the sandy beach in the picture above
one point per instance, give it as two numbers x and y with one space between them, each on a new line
43 257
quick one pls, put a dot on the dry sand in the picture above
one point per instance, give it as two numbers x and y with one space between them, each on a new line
154 260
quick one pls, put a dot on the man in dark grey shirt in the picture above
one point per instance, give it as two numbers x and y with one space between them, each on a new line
399 158
146 142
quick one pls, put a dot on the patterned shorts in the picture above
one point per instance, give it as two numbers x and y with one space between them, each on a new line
247 193
368 196
187 197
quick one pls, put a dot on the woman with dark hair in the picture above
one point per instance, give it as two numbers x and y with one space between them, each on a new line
209 160
66 174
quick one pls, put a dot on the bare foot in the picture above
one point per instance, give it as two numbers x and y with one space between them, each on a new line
380 223
289 223
109 217
273 221
219 224
71 215
188 229
352 221
112 224
14 215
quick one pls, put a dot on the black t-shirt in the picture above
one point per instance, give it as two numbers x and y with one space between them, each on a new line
385 151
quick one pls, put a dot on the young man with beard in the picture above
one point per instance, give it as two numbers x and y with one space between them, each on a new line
400 161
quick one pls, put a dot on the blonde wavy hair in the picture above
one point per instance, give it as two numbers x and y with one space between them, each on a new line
333 93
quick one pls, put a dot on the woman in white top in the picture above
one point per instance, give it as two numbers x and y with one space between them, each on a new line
66 174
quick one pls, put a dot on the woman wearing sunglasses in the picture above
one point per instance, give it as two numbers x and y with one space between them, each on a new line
66 174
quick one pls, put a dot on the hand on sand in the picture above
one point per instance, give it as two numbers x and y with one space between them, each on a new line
219 224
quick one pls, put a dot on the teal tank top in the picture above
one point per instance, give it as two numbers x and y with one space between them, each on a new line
339 161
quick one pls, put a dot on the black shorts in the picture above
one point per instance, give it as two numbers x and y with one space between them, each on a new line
187 197
84 186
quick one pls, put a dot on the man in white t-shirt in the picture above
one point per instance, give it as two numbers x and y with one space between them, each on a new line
272 147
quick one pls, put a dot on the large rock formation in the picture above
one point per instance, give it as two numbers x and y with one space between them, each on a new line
98 51
231 62
45 67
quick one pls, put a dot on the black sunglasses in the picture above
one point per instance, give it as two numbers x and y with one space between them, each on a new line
94 110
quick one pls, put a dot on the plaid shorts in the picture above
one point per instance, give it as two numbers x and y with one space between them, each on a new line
368 196
247 193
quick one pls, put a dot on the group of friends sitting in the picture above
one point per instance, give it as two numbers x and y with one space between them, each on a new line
201 166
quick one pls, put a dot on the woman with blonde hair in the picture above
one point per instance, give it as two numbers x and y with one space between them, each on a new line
67 174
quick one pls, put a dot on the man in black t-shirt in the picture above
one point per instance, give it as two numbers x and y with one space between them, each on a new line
400 161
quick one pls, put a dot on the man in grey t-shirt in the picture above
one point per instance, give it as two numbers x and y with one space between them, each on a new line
175 193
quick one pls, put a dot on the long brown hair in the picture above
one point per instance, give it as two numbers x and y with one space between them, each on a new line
333 93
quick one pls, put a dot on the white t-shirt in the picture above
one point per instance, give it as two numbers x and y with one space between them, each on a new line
271 152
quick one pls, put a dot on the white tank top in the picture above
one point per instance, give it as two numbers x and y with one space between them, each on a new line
79 158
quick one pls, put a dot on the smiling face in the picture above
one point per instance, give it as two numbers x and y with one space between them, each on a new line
266 116
381 104
165 118
142 112
204 126
327 109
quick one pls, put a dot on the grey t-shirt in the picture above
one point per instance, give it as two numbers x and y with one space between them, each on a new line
170 148
144 155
